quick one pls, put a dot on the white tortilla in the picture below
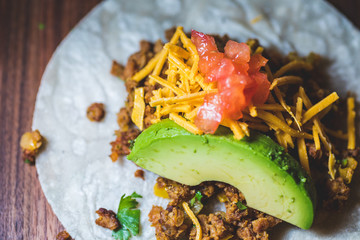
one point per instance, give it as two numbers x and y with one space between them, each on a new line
75 171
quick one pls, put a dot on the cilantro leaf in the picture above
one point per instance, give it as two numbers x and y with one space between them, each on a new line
198 196
128 215
121 234
241 206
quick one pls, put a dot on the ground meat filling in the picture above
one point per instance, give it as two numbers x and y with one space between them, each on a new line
213 226
95 112
337 193
121 146
169 223
234 223
30 144
107 219
64 235
140 174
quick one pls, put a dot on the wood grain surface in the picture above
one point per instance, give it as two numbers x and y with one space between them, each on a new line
30 30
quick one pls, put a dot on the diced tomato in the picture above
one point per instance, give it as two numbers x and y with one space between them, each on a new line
233 80
256 62
239 81
241 68
224 69
262 90
210 114
233 101
208 62
238 52
204 43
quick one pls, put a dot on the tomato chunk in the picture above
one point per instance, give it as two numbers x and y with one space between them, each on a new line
256 62
262 91
204 43
210 114
238 52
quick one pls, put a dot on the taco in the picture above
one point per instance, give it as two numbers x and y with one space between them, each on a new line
74 171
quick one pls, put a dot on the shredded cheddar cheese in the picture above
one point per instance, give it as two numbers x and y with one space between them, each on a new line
310 113
194 220
293 66
351 123
137 115
184 123
286 80
304 160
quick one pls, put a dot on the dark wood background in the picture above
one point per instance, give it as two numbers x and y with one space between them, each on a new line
30 30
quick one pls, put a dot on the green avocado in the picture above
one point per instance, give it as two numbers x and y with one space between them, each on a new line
271 180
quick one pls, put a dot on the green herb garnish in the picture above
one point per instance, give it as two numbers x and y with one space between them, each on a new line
128 216
344 163
41 26
198 196
27 161
241 206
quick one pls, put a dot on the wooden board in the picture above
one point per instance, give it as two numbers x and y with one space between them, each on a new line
30 30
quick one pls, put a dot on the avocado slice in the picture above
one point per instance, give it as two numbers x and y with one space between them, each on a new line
271 180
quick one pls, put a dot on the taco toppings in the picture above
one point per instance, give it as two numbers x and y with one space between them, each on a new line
207 86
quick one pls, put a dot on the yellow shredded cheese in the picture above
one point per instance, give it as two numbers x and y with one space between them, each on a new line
316 122
175 108
183 98
316 138
286 80
167 84
235 128
178 51
147 69
137 115
162 58
299 107
318 107
351 123
285 106
184 123
304 160
293 66
194 220
271 107
268 117
252 110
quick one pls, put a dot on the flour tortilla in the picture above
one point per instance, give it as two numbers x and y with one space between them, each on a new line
75 171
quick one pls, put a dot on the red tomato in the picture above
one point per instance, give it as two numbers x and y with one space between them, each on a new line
223 70
238 80
233 101
204 43
256 62
210 114
262 90
238 52
208 62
